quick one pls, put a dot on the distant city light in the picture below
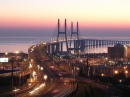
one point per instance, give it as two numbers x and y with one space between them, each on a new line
116 72
6 53
102 74
16 51
126 71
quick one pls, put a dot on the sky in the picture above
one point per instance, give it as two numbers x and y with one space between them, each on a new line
40 17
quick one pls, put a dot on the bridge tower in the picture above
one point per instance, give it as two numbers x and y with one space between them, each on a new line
63 33
77 32
76 41
74 33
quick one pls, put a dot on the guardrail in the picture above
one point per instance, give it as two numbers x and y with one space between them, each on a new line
67 92
16 73
64 93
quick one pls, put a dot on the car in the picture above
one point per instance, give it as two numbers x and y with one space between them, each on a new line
55 91
65 84
60 74
51 66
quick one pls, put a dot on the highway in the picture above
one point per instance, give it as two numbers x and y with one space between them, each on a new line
57 81
48 80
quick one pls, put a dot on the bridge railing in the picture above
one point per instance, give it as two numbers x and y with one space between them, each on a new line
67 92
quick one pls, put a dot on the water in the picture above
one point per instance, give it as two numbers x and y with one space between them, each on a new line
11 44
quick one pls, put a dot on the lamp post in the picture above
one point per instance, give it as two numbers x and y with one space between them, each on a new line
120 81
12 62
126 72
20 81
87 65
45 78
116 71
30 66
38 67
16 59
23 78
41 68
17 52
5 55
81 61
74 72
15 90
23 67
12 65
34 75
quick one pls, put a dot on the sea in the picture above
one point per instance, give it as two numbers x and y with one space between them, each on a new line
21 44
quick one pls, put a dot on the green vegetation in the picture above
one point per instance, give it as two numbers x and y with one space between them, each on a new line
87 90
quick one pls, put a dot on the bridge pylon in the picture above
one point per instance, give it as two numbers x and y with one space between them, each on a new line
74 34
77 32
63 33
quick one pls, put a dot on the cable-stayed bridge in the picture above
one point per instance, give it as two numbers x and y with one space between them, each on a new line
76 43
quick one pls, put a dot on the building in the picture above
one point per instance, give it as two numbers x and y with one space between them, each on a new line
119 51
102 70
109 70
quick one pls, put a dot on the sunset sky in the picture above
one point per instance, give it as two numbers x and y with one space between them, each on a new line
95 17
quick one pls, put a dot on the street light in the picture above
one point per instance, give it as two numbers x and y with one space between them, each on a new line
41 68
38 66
125 67
6 53
116 71
45 77
30 66
17 52
20 81
23 78
34 75
102 74
82 64
126 71
16 90
12 62
120 81
81 61
12 65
